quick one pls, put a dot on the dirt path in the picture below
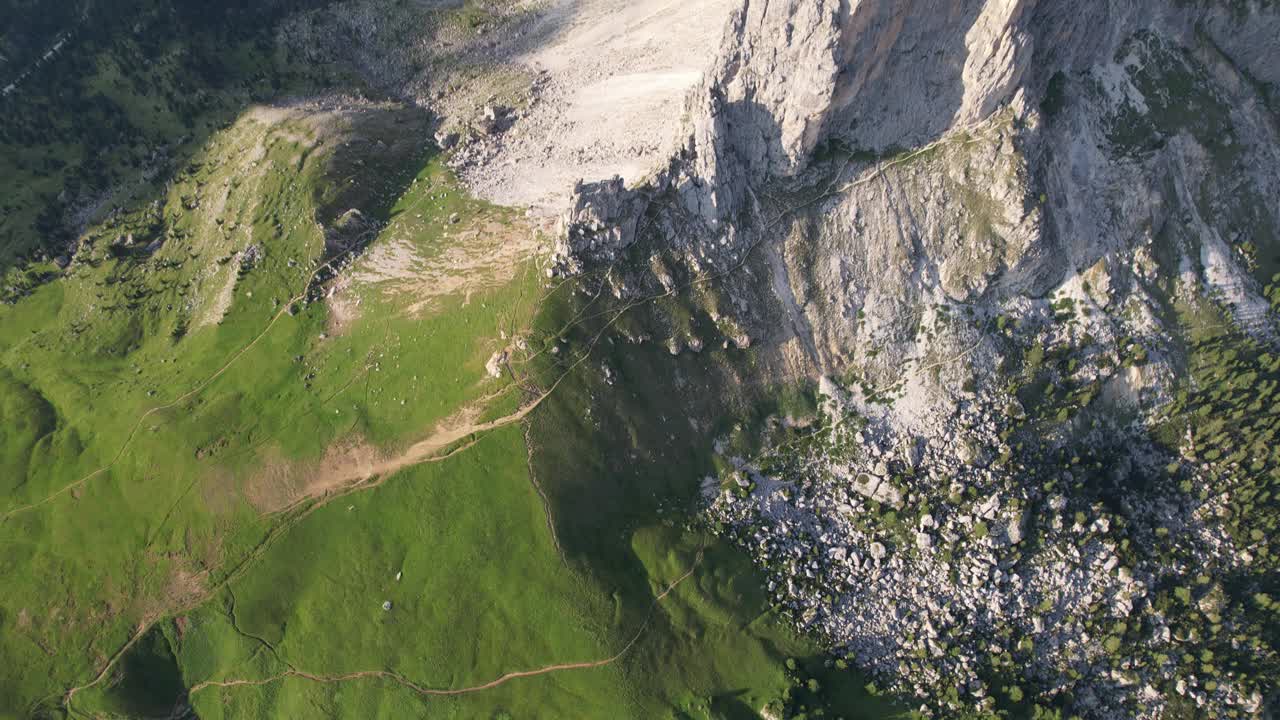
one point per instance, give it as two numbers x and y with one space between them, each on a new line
362 469
500 680
542 495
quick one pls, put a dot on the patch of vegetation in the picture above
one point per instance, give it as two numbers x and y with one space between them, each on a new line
1179 97
1055 96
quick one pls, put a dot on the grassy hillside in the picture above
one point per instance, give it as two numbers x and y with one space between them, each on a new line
257 407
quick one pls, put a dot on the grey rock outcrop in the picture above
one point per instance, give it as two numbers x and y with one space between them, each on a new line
599 224
873 75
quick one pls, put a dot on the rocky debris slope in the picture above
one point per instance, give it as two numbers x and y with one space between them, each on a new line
609 85
1013 238
601 222
954 580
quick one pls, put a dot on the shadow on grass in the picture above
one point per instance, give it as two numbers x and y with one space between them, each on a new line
131 94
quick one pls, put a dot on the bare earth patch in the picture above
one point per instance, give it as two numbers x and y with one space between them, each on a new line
283 484
483 253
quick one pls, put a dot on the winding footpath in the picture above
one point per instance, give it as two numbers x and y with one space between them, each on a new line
437 692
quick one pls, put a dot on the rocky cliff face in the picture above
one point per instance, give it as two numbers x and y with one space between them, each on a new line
984 153
927 199
873 76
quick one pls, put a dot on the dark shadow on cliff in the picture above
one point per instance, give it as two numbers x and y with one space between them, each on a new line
901 80
627 440
615 448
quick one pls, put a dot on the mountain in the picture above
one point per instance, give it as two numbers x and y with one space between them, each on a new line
703 359
1029 267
